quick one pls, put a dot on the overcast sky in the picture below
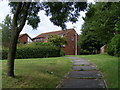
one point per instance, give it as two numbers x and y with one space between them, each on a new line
45 25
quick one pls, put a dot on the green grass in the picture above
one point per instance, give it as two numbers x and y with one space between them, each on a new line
108 65
36 73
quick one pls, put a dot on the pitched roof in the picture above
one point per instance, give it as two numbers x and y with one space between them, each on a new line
53 33
24 34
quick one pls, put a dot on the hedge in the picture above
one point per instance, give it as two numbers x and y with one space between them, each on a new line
85 52
34 52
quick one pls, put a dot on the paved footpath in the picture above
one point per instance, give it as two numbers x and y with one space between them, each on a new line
83 75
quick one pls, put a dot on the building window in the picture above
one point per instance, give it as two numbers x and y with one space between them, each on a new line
63 46
72 38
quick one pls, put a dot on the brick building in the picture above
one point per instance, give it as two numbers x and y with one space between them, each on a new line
25 38
71 36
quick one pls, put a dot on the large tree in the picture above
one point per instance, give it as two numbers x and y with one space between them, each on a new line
101 19
60 12
102 22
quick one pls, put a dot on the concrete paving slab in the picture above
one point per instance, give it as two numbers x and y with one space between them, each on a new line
82 68
85 74
76 58
82 63
79 61
83 83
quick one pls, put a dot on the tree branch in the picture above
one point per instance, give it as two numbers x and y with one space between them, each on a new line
25 13
15 17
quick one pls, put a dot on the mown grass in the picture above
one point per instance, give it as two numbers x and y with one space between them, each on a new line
36 73
108 65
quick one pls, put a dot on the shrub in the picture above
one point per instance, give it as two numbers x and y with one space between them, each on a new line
114 46
110 49
34 51
4 53
62 53
84 52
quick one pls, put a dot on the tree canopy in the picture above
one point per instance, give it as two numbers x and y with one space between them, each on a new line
57 40
60 12
102 23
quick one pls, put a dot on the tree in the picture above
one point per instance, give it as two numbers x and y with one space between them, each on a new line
57 40
0 39
28 11
101 24
89 43
6 30
117 26
101 18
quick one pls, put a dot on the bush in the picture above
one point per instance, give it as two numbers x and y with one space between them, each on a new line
4 53
84 52
62 53
34 51
113 47
110 49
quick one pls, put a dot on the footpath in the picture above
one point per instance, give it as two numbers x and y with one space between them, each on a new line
83 75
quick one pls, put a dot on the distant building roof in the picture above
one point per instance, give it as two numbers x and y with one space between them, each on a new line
53 33
24 34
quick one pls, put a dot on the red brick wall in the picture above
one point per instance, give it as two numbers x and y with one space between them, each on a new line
23 39
70 48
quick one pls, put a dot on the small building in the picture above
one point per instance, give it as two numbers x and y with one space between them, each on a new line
71 36
25 38
103 49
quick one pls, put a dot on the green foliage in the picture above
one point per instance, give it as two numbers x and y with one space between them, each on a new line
57 40
62 53
38 44
4 53
100 20
117 26
35 50
0 37
63 12
6 30
114 46
60 12
32 17
85 52
88 43
110 49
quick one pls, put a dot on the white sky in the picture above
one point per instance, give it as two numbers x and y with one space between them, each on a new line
45 25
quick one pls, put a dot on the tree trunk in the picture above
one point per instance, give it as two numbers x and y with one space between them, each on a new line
16 29
12 52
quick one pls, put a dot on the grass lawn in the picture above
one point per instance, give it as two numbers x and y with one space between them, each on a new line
36 73
108 65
